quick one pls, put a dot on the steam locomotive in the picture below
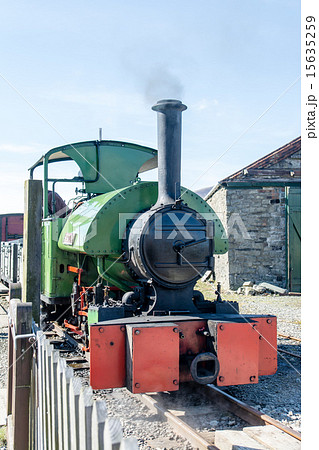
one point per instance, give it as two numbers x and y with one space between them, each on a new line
119 270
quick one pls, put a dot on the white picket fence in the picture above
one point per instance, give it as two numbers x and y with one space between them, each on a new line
67 416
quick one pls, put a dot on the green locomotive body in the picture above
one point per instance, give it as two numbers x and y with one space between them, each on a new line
91 236
120 266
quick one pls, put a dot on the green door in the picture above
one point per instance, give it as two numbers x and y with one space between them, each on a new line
294 238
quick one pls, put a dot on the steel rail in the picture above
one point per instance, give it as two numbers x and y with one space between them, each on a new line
246 412
289 353
65 335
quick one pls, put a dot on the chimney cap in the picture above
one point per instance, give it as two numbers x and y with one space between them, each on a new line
164 104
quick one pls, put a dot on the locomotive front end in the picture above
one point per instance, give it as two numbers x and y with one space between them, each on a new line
173 334
120 269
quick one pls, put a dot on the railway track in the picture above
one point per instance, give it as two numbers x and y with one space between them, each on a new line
292 338
250 428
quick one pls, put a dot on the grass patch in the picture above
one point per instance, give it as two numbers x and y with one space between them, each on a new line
3 436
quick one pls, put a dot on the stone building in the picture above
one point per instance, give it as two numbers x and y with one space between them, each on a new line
260 209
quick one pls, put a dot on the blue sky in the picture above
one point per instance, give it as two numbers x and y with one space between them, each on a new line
85 65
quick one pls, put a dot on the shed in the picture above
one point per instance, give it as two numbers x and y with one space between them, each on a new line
260 207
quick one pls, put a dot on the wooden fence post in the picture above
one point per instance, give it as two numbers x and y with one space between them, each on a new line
112 433
33 410
48 400
40 382
32 245
60 406
85 418
10 367
99 416
15 290
20 383
67 375
43 380
54 397
75 389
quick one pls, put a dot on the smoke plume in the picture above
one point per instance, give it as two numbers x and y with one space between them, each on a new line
160 84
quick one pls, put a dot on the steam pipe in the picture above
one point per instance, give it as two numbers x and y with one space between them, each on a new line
169 136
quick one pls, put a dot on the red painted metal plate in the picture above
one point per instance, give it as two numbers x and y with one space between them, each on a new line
190 341
238 354
107 356
152 357
267 334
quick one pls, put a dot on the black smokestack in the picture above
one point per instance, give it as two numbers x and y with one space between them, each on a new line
169 136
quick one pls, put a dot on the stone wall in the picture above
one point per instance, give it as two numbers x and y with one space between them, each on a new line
255 221
257 236
218 203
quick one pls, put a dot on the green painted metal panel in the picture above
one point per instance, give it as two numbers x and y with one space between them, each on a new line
115 272
56 281
93 315
105 165
97 228
294 238
118 164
